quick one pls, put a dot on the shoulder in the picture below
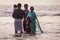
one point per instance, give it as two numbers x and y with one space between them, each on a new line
34 13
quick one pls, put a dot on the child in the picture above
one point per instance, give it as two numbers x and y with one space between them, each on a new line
15 7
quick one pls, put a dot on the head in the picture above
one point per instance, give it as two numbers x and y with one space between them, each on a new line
26 6
32 9
19 5
15 7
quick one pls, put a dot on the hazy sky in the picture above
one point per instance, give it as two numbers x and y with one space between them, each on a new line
31 2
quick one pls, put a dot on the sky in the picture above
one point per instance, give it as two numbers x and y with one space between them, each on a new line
31 2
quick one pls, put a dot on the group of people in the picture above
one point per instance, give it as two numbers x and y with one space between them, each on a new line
30 21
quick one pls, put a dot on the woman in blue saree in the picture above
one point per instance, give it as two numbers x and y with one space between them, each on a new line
34 21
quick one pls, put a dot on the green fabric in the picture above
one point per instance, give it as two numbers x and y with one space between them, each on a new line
38 25
32 17
34 22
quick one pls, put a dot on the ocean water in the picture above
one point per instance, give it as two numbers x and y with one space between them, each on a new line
49 19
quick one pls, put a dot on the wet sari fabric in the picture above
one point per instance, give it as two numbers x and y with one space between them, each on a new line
34 22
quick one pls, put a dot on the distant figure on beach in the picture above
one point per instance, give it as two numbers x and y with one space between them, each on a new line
18 15
33 18
26 11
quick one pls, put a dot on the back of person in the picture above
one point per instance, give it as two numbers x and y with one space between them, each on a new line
18 14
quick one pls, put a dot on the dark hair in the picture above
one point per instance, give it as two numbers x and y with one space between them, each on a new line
19 5
15 6
26 5
32 7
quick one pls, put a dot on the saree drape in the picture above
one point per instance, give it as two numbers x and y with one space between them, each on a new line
34 22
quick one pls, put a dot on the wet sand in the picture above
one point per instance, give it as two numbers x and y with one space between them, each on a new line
49 24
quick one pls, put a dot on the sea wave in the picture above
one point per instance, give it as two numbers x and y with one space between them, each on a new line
43 10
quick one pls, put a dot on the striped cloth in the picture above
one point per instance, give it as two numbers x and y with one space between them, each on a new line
18 24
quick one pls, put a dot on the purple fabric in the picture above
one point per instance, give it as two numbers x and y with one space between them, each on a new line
26 12
18 24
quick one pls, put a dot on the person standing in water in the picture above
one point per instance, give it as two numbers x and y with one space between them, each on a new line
26 11
34 21
18 15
